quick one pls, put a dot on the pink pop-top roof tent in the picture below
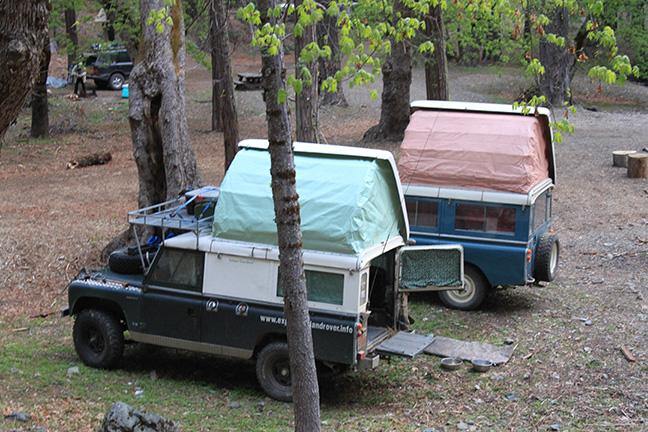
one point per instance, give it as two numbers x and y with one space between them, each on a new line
482 150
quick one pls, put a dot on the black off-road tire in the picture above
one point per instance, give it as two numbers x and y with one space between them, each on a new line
123 262
273 371
473 293
547 257
98 338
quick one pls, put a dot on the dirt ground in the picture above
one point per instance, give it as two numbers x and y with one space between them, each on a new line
55 221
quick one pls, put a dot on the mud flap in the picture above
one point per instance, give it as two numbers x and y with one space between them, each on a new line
405 344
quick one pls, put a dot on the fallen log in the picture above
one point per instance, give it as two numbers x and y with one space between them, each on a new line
86 161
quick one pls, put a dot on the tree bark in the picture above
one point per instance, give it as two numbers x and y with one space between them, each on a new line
397 77
224 102
40 110
555 82
70 28
23 33
436 65
306 104
282 169
217 90
328 35
166 163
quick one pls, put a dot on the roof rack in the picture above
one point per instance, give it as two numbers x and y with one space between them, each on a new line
177 214
171 214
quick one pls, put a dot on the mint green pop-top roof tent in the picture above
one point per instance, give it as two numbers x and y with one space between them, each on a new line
350 198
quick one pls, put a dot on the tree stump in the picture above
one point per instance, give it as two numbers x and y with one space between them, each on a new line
620 157
638 165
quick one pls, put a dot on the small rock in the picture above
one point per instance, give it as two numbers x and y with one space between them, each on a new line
73 370
235 405
462 426
555 427
325 422
18 416
511 396
509 341
470 422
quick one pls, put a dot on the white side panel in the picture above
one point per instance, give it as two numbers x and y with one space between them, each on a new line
240 277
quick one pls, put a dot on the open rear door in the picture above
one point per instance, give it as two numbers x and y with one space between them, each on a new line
423 268
430 268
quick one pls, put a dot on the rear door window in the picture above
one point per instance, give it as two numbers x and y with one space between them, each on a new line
540 212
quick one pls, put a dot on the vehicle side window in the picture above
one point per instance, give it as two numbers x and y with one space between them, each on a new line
540 212
179 268
123 57
321 287
104 60
474 217
421 212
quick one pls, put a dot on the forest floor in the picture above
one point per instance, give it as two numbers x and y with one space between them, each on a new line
567 372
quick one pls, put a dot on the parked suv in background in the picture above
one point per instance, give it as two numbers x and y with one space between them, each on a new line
110 68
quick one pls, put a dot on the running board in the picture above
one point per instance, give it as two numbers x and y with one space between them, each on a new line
405 344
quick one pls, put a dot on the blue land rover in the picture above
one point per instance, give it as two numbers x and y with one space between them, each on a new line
482 175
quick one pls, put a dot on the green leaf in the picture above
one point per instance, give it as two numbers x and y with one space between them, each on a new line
282 96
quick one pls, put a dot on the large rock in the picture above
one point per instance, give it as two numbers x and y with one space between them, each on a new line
124 418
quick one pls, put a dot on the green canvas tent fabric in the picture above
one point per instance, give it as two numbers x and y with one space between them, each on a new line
348 202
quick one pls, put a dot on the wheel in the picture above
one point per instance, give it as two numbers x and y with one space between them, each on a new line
98 338
273 371
471 296
116 81
101 84
547 256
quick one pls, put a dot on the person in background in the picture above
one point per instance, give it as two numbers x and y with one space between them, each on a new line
79 73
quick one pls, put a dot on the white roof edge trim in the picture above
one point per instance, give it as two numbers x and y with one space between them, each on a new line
481 196
474 106
304 147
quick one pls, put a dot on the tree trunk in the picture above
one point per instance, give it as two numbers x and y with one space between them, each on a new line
306 105
291 266
70 28
436 65
328 34
40 111
555 82
397 77
165 160
23 33
224 102
217 88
